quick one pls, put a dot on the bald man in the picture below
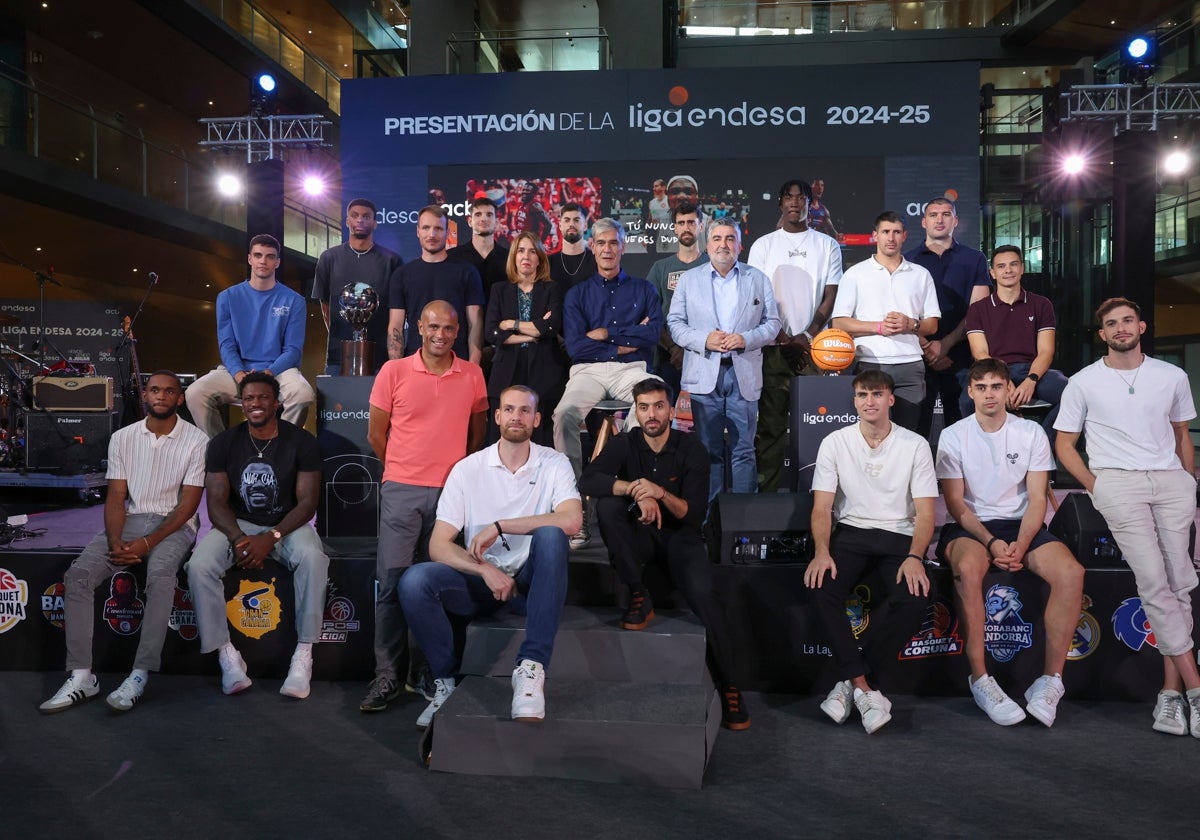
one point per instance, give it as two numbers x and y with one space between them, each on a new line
428 411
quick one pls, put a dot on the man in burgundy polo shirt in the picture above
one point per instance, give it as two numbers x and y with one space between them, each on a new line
428 411
1017 327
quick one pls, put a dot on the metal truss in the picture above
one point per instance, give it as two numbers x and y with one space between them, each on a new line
265 138
1131 107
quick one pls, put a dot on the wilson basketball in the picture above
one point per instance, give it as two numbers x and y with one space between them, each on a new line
833 350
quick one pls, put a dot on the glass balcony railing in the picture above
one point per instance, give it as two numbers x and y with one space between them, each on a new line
724 18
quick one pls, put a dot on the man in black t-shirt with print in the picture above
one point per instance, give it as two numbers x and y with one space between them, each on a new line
262 480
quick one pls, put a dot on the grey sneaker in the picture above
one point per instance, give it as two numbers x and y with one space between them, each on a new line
581 539
839 702
442 690
876 710
380 692
1041 700
1193 698
1169 715
127 694
421 683
73 692
990 697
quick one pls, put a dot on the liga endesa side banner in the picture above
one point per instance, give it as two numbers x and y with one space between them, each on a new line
629 144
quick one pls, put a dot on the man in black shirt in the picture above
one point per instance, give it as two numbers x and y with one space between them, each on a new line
483 252
651 490
262 482
575 262
357 260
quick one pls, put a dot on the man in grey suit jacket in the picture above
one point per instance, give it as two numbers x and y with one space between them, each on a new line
722 314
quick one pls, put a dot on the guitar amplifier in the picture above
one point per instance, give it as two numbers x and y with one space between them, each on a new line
68 441
79 393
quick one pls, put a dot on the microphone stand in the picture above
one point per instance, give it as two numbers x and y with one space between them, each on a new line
127 342
42 278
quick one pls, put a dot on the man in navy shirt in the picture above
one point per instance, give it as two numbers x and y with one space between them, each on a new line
611 324
960 276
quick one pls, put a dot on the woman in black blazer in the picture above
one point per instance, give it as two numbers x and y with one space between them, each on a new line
524 321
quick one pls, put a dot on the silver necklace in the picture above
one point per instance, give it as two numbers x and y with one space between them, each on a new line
358 253
1136 371
563 259
265 448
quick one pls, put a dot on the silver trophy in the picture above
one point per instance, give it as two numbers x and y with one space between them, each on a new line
357 304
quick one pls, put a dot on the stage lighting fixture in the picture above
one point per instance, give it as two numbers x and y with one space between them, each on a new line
1073 164
314 185
266 83
1139 59
229 185
264 92
1176 162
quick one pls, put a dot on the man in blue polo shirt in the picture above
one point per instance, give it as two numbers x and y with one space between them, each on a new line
960 277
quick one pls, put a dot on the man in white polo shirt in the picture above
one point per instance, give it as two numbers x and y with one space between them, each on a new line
157 466
515 503
995 474
887 304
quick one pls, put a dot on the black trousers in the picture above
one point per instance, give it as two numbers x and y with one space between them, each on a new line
631 545
857 552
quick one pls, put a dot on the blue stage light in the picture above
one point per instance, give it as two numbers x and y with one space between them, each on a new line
1137 48
266 82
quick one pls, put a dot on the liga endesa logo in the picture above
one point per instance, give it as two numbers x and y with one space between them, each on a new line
822 416
744 114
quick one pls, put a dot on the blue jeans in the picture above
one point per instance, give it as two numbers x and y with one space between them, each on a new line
429 591
713 413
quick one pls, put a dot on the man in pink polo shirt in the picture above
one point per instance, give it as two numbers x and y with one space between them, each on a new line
428 410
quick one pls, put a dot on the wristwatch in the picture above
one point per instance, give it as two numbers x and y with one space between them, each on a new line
1033 377
275 533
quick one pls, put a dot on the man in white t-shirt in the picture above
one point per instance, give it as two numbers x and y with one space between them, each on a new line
805 267
514 503
995 474
1135 412
873 502
888 304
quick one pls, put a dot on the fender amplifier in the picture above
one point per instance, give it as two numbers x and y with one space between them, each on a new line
79 393
68 441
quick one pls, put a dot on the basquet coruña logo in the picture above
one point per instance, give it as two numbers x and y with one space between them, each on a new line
1131 626
338 621
858 610
53 606
254 611
1005 633
938 635
183 615
14 595
1087 634
124 609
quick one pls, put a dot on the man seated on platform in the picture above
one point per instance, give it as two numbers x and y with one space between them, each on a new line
514 503
995 474
873 504
666 475
1017 327
155 480
260 327
263 481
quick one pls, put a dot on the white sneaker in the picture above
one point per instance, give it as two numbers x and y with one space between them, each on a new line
529 699
990 697
1169 715
876 710
1041 700
442 689
581 539
73 692
233 670
1193 698
299 674
127 694
837 705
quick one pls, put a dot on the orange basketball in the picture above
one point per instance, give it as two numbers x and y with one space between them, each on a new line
833 350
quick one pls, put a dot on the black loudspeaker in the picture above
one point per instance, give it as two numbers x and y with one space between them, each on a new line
67 440
758 528
1078 524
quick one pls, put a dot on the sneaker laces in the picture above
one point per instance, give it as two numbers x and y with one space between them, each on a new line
636 601
992 690
1172 708
733 699
1045 691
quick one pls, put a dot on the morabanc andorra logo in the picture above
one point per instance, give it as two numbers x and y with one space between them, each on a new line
1005 633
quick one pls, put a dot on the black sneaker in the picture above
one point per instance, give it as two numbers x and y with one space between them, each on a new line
733 711
640 611
380 692
421 683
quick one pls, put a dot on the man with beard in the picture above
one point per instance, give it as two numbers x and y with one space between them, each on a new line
263 482
530 215
155 480
664 276
651 491
1134 412
723 315
681 189
514 504
427 412
483 252
433 277
805 267
574 263
357 260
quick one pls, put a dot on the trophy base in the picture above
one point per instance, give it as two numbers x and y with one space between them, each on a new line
358 358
